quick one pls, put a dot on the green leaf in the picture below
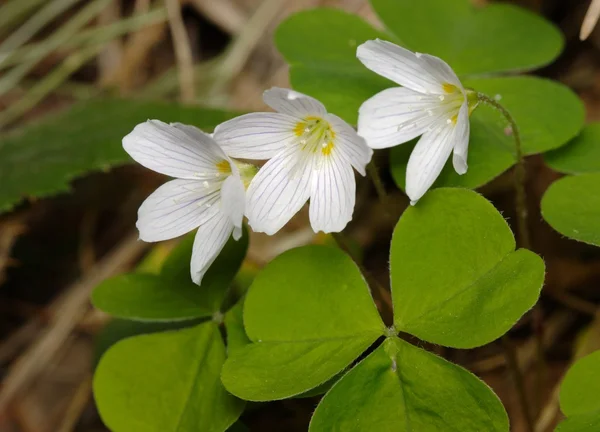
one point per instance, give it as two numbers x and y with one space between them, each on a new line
144 297
400 387
171 295
219 276
309 314
589 422
457 280
571 206
166 382
535 103
581 386
119 329
473 40
84 138
548 113
581 155
320 46
322 388
486 162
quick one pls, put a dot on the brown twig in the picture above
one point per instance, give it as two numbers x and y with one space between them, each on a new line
19 339
526 353
10 230
110 58
71 307
183 51
573 302
135 52
517 376
76 406
242 47
224 13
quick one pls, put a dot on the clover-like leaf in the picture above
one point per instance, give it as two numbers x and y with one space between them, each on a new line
456 277
581 386
473 40
579 396
118 329
320 46
84 138
171 295
309 314
166 382
333 75
400 387
581 155
535 104
571 206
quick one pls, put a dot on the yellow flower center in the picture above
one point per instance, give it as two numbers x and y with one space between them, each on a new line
450 88
314 134
454 101
223 167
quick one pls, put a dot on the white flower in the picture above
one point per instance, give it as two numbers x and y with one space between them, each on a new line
431 103
208 192
311 156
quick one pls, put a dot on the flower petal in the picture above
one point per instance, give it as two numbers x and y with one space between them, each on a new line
177 207
175 150
233 199
293 103
208 243
397 115
279 190
461 148
256 135
419 72
440 69
429 157
333 195
199 136
349 144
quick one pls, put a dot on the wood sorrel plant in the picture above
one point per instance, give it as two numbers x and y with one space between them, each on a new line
308 324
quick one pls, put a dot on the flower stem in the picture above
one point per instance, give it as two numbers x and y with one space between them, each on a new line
525 242
520 172
376 179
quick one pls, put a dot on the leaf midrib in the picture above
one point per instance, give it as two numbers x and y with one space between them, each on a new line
361 335
195 378
402 325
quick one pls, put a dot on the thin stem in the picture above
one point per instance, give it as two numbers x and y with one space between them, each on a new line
525 242
520 172
377 183
517 376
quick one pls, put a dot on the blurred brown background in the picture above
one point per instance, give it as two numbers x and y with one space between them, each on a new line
220 53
